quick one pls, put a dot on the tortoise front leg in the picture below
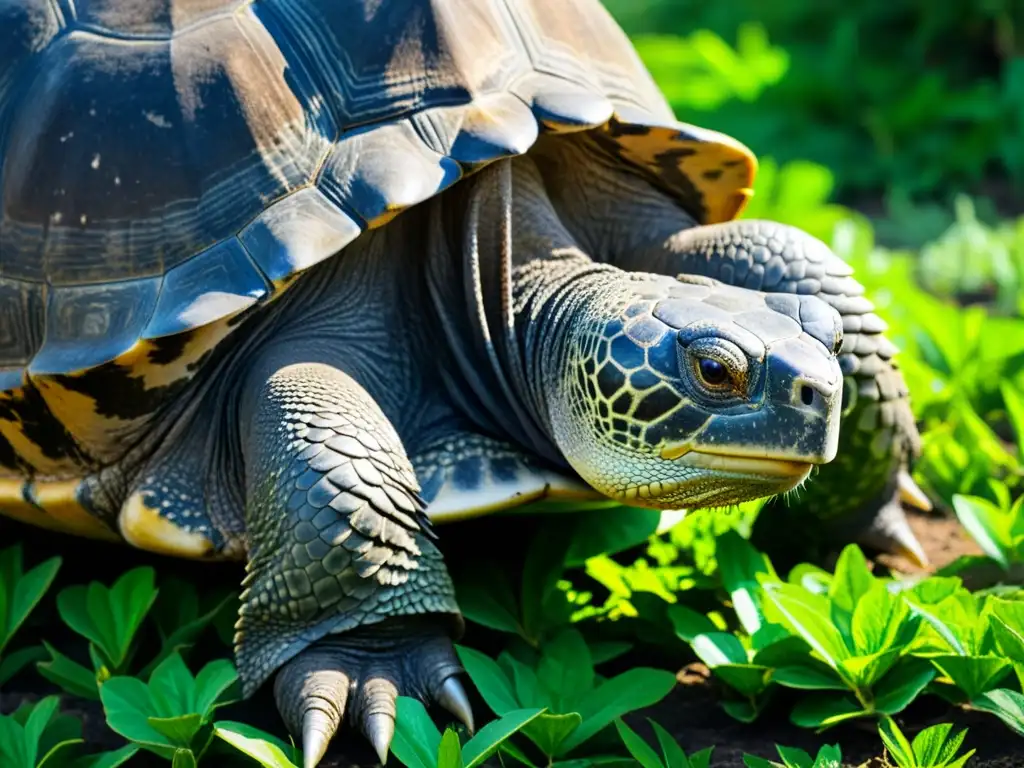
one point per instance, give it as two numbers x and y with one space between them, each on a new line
858 495
346 596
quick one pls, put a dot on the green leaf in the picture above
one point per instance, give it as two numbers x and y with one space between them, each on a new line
974 675
12 663
807 615
128 710
865 671
449 753
749 679
1007 622
211 683
809 678
688 623
417 741
545 562
821 710
186 633
530 692
634 689
489 679
1005 704
900 749
792 756
637 747
25 594
741 709
701 759
113 759
14 747
489 738
549 731
40 716
980 517
565 668
172 688
852 580
670 749
717 648
740 564
486 598
68 674
179 730
600 652
931 746
265 749
829 756
790 650
183 758
882 621
904 682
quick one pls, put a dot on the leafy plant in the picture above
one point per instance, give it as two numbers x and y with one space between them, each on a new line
173 712
672 755
37 736
827 757
561 680
265 749
418 743
998 528
1005 704
931 748
20 593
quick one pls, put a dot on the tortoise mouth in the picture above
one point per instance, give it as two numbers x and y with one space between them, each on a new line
737 461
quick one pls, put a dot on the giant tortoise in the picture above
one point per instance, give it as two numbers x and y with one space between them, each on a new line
290 281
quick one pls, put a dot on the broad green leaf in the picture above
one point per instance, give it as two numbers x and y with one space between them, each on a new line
897 744
212 682
449 753
548 731
565 668
530 692
748 679
28 590
36 723
14 747
717 648
793 756
113 759
12 663
788 651
179 730
510 749
740 564
688 623
741 709
865 671
1007 622
487 740
183 758
829 756
265 749
932 746
184 634
1005 704
128 709
673 754
981 519
68 674
637 747
637 688
545 562
701 759
974 675
894 692
811 678
131 597
852 581
882 621
807 615
821 710
417 740
600 652
489 679
172 688
753 761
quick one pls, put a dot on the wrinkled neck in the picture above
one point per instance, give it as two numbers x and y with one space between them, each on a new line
508 285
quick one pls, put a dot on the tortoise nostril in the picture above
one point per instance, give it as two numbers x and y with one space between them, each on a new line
807 394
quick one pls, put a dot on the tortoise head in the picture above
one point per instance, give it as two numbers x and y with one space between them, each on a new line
695 394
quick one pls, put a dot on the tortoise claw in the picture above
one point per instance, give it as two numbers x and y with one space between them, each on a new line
453 698
317 731
911 493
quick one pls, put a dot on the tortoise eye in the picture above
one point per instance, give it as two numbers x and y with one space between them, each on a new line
712 372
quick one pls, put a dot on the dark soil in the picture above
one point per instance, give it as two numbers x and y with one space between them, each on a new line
691 712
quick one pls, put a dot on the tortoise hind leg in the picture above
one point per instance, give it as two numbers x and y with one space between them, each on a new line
346 595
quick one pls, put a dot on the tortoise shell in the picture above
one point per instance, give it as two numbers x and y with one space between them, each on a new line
167 165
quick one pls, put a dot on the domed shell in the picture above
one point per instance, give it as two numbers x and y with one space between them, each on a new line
166 165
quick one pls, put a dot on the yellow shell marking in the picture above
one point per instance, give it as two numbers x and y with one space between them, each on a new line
56 508
144 527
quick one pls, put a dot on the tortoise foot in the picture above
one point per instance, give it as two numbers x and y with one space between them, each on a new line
361 673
